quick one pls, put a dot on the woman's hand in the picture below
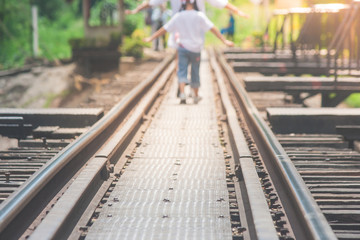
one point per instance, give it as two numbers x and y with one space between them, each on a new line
228 43
148 39
242 14
129 12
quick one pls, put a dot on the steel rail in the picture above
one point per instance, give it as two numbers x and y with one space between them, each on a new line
305 207
61 219
263 223
19 201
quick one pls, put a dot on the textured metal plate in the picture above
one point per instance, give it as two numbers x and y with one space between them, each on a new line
161 228
175 186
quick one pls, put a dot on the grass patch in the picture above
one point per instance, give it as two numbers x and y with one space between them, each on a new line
244 28
353 100
52 96
30 101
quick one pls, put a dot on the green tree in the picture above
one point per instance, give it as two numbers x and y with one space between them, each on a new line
49 9
58 21
15 31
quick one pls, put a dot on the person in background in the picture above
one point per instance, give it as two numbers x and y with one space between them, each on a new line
230 29
156 24
160 16
165 17
191 26
148 16
200 5
176 6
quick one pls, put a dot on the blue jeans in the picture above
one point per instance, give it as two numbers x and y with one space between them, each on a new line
185 58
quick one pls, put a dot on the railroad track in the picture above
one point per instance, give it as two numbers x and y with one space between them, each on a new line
328 167
45 185
266 196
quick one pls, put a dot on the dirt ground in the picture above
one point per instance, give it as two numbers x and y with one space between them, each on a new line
35 89
60 86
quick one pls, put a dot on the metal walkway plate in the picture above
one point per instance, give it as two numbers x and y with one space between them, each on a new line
175 186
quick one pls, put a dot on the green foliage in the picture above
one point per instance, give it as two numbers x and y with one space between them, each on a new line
99 11
134 45
130 4
58 22
54 35
13 26
220 17
257 39
130 24
353 100
77 43
115 40
50 9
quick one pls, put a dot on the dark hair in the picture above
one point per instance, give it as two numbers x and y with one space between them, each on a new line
183 5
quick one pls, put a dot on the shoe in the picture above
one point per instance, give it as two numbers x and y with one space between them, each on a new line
182 98
197 99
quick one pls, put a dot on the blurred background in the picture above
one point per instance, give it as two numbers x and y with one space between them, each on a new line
61 26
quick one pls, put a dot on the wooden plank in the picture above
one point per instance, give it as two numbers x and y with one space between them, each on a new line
342 226
334 185
67 133
348 236
324 196
235 50
350 132
334 166
281 68
331 178
277 83
311 120
330 173
44 131
333 144
340 207
38 143
10 184
258 57
24 161
63 117
20 165
336 191
15 168
343 216
7 189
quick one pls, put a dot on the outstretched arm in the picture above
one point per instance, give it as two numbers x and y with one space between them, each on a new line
236 11
142 6
157 34
216 32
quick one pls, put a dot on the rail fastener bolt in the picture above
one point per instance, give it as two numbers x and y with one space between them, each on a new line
7 177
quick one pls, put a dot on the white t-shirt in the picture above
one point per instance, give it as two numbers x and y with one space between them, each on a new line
176 4
190 26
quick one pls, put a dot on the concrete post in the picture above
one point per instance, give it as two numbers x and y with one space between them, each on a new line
34 13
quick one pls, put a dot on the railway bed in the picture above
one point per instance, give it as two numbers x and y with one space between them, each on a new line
41 133
152 168
325 159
